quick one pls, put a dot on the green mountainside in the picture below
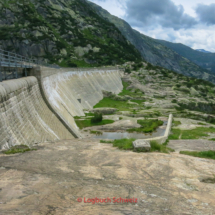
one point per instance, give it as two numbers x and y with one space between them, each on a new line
203 59
66 32
153 51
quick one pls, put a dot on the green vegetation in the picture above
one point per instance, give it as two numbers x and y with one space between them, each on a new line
97 118
209 180
109 102
127 144
96 132
191 134
175 133
212 139
125 91
155 147
72 44
87 123
200 123
176 123
203 154
17 149
147 126
106 141
138 101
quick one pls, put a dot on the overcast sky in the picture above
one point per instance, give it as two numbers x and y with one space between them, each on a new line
191 22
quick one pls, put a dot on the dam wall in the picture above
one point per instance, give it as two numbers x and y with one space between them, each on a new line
70 92
42 107
24 116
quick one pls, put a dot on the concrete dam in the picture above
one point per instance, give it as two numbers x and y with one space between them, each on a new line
42 106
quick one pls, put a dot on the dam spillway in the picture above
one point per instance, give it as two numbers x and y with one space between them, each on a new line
41 107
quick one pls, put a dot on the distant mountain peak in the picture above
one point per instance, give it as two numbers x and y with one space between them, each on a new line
202 50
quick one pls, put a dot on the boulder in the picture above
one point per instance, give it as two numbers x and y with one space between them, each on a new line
142 145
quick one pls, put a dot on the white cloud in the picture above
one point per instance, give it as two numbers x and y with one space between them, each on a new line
200 36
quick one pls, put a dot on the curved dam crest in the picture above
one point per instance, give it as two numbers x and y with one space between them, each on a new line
41 108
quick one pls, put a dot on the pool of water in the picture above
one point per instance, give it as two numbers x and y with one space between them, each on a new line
122 135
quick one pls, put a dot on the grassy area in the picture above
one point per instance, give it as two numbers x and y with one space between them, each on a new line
106 141
109 102
212 139
155 147
203 154
17 149
128 92
147 126
96 132
175 133
127 144
200 123
138 101
191 134
87 123
176 123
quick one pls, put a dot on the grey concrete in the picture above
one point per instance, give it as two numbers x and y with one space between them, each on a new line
143 145
162 139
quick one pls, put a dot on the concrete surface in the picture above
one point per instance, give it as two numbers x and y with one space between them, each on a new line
142 145
63 90
25 117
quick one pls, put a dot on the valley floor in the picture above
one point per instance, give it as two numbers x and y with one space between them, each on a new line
49 180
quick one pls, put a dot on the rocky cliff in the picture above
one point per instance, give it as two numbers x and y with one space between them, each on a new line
66 32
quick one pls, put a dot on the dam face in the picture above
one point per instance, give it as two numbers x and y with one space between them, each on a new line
41 108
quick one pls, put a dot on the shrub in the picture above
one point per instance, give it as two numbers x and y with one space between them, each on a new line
127 70
97 118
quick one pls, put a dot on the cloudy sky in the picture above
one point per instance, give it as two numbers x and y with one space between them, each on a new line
191 22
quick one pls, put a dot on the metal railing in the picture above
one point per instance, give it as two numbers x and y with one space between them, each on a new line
10 64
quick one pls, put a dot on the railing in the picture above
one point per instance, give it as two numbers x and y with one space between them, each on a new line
10 63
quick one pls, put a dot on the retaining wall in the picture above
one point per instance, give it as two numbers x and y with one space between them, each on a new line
163 138
25 117
69 93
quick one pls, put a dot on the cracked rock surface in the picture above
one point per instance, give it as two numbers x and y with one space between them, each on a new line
49 181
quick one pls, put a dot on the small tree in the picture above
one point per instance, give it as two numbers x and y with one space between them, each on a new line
97 118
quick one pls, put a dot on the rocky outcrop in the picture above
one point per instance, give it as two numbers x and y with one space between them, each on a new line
66 32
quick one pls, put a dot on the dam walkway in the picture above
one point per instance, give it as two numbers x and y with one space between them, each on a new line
13 66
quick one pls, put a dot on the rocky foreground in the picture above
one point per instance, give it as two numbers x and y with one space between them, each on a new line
51 179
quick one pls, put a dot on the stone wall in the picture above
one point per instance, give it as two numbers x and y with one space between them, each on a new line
25 117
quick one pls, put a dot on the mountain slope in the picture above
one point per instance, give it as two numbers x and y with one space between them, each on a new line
68 32
205 60
202 50
153 51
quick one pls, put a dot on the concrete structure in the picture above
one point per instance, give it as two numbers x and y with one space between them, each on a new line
143 145
163 138
41 108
